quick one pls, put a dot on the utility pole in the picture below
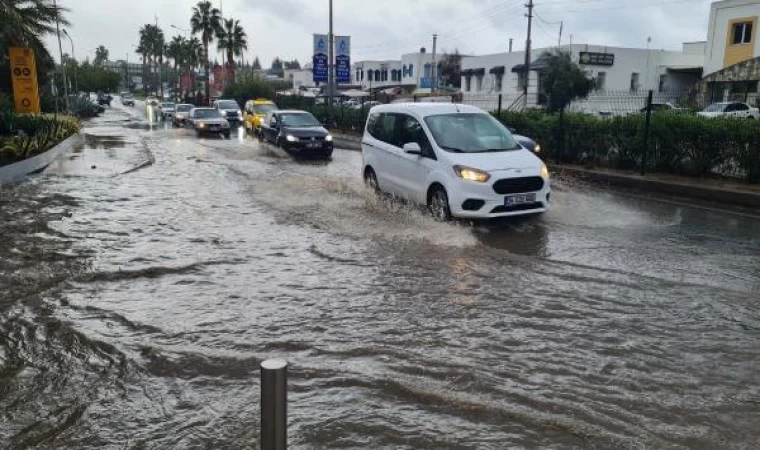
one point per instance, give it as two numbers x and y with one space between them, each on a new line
561 26
60 50
526 69
433 81
331 64
510 45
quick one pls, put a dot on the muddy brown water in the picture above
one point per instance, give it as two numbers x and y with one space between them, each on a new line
144 279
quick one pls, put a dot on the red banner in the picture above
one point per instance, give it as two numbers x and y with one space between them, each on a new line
187 82
216 87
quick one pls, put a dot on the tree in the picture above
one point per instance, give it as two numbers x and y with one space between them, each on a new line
292 65
450 69
233 40
101 55
563 80
277 67
256 64
206 20
25 23
174 51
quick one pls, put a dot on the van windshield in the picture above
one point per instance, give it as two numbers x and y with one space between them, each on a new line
470 133
264 109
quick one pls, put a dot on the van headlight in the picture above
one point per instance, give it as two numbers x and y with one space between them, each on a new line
291 138
328 138
544 171
470 174
537 148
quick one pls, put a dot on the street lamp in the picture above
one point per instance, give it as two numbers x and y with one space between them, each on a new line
184 30
74 57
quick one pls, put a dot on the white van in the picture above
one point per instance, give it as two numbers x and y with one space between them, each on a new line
456 159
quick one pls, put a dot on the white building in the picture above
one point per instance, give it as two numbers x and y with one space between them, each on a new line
376 74
614 68
731 34
413 71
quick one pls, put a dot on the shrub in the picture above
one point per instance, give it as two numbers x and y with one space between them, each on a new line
27 135
679 143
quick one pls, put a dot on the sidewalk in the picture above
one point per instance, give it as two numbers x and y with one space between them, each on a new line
717 191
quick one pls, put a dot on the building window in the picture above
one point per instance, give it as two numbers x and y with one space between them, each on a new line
369 75
467 83
634 82
663 79
742 33
601 81
499 81
478 83
377 75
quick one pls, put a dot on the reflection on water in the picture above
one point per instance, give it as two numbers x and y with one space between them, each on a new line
135 309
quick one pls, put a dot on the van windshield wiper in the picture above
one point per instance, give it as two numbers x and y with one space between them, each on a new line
453 149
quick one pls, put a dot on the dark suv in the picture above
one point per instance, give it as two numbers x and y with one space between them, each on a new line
297 132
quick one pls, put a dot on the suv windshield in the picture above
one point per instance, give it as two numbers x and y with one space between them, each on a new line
227 104
299 120
264 109
470 133
184 108
716 107
206 113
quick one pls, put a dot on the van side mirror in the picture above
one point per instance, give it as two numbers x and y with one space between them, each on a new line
412 148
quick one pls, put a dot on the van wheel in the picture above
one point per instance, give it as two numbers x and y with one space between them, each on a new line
370 180
438 204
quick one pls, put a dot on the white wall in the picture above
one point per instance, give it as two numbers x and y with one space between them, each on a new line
721 13
418 60
374 65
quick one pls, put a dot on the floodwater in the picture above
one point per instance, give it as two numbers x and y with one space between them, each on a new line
145 277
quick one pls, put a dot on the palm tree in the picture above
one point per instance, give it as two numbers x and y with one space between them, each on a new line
206 20
158 43
174 51
25 22
101 55
145 50
233 40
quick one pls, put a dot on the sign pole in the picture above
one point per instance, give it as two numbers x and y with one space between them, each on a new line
331 62
60 50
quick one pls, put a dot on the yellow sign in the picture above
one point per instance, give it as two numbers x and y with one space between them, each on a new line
26 94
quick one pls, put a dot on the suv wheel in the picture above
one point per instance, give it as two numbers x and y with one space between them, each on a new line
438 204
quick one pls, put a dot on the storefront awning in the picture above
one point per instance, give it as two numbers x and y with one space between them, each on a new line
498 70
538 64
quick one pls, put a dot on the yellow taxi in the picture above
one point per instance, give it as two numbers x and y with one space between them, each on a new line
254 112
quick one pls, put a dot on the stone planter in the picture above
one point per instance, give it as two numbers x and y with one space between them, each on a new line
16 171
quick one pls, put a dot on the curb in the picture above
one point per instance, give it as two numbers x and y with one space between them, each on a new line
347 142
712 194
18 170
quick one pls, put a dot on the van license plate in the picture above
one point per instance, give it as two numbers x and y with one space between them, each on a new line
515 200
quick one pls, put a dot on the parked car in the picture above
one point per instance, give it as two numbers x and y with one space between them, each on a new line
255 112
208 121
127 99
152 101
104 99
230 110
456 159
730 109
367 105
180 113
167 110
97 107
297 132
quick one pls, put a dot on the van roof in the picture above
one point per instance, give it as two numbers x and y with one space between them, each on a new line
427 109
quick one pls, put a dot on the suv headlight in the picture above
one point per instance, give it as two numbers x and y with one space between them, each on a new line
470 174
291 138
328 138
544 171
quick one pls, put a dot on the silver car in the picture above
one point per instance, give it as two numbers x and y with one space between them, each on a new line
180 113
208 121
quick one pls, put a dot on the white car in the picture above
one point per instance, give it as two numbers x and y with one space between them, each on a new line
456 159
731 109
167 110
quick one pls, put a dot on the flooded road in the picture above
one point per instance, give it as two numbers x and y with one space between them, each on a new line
144 278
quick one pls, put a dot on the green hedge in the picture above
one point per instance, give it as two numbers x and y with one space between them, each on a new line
26 135
679 143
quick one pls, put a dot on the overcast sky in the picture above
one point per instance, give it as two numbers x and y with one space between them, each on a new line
385 29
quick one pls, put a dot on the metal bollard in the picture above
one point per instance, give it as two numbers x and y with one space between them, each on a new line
274 402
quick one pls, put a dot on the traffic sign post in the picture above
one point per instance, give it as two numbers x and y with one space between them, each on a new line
26 95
